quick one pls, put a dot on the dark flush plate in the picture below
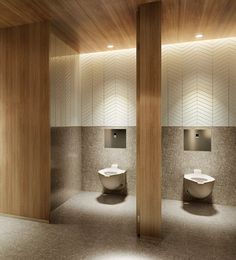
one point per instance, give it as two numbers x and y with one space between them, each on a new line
197 139
115 138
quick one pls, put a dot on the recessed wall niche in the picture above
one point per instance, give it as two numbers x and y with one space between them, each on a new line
197 139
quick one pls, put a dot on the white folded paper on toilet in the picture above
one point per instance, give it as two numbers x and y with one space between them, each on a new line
197 171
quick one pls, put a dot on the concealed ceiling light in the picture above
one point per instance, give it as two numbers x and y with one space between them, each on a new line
199 36
110 46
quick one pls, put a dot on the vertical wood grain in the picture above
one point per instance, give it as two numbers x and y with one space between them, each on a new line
24 121
149 120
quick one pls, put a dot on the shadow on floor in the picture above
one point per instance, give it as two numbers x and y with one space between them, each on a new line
111 199
200 209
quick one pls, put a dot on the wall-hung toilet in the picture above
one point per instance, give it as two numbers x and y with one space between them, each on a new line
112 178
199 185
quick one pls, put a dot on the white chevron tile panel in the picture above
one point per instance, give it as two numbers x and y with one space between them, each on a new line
164 89
64 84
131 87
110 95
110 102
60 101
98 95
122 81
52 92
65 110
198 86
68 88
207 92
175 86
87 89
190 103
204 85
232 84
220 83
75 94
59 93
78 91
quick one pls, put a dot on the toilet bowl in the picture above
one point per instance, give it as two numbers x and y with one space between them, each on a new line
112 178
199 185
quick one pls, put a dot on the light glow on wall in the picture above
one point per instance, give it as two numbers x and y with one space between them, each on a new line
199 83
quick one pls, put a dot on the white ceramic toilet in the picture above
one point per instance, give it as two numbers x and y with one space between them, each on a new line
199 185
112 178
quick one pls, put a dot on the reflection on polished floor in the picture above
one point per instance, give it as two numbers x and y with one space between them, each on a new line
95 226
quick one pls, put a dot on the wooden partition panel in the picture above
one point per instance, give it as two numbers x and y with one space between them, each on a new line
149 119
24 121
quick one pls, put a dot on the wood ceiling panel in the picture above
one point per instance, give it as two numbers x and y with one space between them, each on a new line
182 19
19 12
97 23
89 25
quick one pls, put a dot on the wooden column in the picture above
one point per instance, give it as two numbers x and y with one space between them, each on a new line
149 119
24 121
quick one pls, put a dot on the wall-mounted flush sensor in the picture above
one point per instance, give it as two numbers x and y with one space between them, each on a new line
115 135
197 135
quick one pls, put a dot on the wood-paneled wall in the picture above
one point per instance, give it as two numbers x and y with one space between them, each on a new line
24 121
149 120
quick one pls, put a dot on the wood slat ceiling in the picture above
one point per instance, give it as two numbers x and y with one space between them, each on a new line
89 25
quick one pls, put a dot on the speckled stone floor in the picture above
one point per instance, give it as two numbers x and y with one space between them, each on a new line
92 226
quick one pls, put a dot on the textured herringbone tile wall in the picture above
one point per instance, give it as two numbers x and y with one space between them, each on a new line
65 92
199 83
108 81
65 88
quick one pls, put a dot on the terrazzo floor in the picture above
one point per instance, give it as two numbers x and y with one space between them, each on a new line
92 226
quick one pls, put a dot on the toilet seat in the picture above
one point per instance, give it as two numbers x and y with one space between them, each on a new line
107 172
199 178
